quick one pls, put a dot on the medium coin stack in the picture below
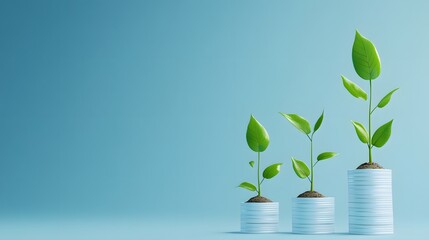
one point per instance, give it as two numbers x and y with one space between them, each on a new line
313 215
259 217
370 201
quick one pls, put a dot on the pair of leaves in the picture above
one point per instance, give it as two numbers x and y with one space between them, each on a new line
269 172
380 137
357 92
302 124
301 169
257 137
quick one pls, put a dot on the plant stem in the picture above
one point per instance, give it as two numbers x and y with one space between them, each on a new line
369 122
259 183
312 166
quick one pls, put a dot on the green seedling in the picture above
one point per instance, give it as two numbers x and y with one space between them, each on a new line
367 65
258 140
301 169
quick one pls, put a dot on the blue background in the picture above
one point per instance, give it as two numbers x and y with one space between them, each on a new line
138 109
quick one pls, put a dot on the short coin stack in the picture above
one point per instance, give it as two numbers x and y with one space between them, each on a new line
313 215
370 201
259 217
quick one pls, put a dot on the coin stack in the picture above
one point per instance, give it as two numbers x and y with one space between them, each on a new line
259 217
313 215
370 201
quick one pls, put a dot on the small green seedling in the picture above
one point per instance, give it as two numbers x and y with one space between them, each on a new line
301 169
368 66
258 140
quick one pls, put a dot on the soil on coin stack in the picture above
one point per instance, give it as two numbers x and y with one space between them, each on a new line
311 194
259 199
370 166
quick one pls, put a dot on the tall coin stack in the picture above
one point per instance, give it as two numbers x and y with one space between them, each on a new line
370 201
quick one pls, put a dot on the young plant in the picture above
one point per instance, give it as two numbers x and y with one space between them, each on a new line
301 169
368 66
258 140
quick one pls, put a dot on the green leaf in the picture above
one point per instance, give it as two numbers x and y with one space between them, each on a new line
299 122
256 136
300 168
318 122
326 155
271 171
382 134
251 163
361 132
365 58
354 89
248 186
386 99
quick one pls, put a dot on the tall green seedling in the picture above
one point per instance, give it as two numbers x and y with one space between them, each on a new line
301 169
367 65
258 140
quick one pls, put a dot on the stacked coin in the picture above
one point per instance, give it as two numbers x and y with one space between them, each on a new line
313 215
259 217
370 201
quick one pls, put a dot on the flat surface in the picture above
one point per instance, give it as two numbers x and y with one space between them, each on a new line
170 229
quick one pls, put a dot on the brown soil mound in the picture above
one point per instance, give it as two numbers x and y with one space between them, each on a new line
370 166
259 199
311 194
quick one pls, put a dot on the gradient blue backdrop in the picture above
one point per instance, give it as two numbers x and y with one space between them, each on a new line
140 108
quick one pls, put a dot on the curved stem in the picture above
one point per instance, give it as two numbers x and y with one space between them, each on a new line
259 183
369 122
